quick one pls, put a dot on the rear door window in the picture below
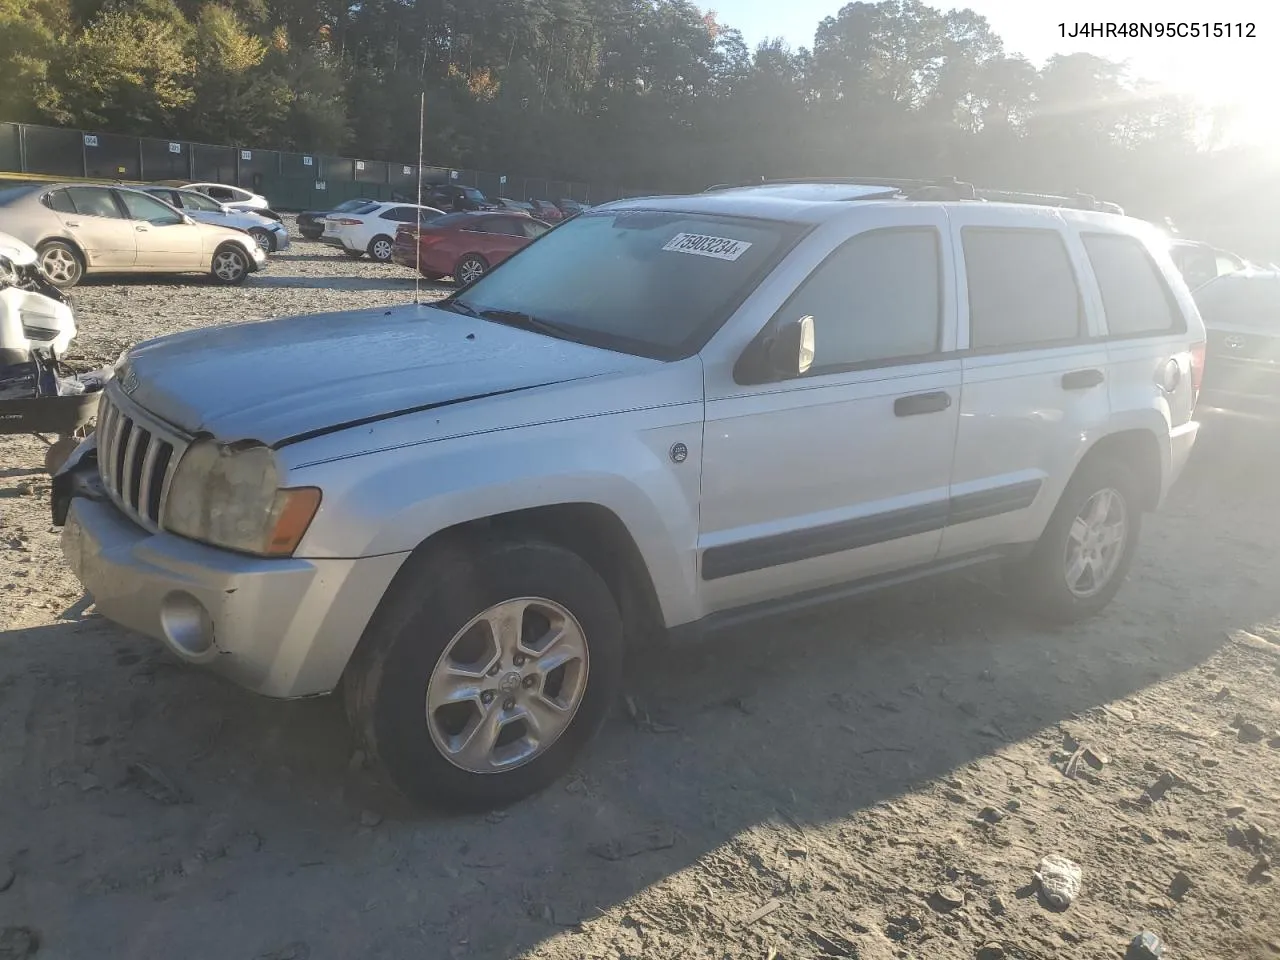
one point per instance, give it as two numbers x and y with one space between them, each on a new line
93 202
1022 289
506 225
1135 297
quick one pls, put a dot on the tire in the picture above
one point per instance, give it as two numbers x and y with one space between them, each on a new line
230 265
1040 583
57 454
61 263
421 623
381 247
470 269
353 254
264 239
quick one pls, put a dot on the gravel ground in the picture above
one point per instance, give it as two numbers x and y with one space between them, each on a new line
877 782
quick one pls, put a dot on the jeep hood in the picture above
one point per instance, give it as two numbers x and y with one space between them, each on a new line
285 380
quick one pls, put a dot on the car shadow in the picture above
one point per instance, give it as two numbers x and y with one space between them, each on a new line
151 786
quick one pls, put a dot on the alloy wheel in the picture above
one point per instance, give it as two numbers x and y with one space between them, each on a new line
228 265
470 270
60 265
1096 543
507 685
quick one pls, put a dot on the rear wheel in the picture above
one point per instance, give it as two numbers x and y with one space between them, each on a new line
470 269
485 671
230 265
263 238
61 263
1086 549
380 248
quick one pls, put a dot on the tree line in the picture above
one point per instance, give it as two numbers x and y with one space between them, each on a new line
657 94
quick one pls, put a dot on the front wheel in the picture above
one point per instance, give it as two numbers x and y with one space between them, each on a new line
61 263
1086 549
230 265
262 237
485 672
381 248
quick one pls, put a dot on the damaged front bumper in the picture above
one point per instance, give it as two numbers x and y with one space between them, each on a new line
280 627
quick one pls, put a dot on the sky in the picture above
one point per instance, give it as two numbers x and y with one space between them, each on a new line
1245 71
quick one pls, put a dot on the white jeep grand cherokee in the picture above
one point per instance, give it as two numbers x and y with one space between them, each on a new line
665 416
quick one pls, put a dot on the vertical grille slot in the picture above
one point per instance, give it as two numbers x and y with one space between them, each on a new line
135 461
119 452
156 479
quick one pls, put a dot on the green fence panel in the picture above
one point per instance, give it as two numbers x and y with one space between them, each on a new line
10 147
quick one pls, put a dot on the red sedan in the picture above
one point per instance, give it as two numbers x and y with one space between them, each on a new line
465 245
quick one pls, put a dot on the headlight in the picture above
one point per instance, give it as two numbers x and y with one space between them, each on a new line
228 496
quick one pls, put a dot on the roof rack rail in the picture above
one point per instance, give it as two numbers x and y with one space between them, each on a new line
944 188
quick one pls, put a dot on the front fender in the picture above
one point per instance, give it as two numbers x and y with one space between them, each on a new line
394 500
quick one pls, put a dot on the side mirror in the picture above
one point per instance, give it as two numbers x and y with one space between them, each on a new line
778 353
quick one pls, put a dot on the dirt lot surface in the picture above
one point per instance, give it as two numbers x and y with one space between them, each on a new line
879 781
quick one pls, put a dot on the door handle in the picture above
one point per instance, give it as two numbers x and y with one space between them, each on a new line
72 223
140 228
919 403
1081 379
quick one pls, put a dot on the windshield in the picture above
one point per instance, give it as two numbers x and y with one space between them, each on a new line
471 193
654 284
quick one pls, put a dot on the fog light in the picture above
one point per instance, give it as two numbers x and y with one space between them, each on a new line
187 626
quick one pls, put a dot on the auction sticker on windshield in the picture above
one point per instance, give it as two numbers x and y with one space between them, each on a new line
722 248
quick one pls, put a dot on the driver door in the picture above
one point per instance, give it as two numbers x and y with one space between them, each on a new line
842 473
165 240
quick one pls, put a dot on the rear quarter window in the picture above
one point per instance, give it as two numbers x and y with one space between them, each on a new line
1136 299
59 200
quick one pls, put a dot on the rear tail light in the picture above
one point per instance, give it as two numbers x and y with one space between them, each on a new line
347 222
1197 366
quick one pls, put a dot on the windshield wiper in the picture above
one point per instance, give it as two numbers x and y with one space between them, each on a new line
525 321
457 306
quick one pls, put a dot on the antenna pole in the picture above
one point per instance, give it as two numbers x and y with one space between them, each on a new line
417 234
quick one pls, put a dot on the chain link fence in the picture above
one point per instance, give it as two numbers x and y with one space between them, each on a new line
291 181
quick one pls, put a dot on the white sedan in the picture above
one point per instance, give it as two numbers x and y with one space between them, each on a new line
271 235
371 229
237 198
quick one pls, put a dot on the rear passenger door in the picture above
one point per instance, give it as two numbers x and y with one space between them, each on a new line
94 220
1035 375
842 473
505 237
